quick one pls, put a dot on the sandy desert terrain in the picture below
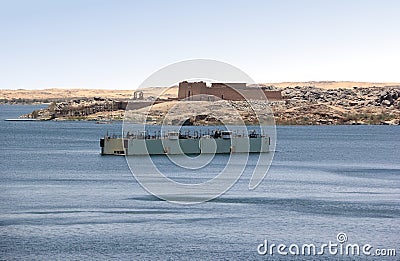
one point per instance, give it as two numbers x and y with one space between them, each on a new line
162 92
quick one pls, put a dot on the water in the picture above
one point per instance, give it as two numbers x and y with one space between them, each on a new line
60 199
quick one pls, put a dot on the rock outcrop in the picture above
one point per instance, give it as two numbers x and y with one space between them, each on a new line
310 105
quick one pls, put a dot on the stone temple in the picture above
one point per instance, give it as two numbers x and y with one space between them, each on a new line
225 91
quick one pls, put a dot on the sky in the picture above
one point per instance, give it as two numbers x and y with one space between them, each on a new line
117 44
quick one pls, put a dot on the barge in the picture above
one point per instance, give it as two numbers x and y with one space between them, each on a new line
172 142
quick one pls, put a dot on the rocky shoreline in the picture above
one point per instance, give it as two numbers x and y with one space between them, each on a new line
309 105
301 105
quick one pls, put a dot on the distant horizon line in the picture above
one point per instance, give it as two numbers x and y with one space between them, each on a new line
271 83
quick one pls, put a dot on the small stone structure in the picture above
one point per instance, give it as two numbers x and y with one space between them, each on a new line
225 91
138 95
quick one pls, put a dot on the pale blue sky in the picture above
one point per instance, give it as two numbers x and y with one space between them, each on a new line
117 44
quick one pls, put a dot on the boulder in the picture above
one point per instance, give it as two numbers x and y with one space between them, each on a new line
386 103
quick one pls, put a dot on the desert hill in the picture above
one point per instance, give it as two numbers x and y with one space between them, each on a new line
55 94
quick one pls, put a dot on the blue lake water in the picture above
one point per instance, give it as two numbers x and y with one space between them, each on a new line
60 199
